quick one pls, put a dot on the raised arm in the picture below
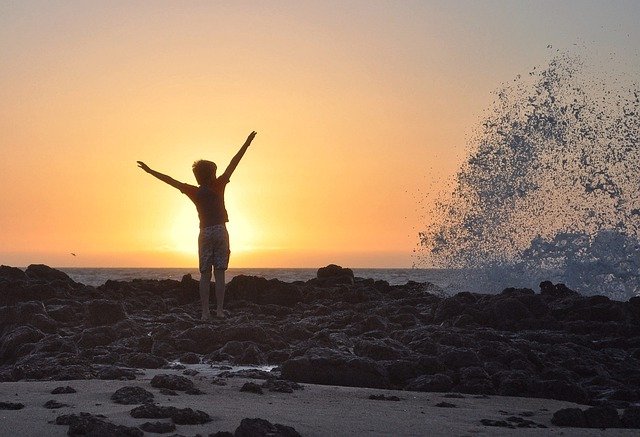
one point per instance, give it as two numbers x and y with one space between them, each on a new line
236 159
163 177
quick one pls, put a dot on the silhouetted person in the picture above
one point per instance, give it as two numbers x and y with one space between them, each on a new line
213 241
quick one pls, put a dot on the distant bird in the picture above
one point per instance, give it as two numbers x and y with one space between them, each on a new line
73 254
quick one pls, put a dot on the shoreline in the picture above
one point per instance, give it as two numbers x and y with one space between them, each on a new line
315 410
335 334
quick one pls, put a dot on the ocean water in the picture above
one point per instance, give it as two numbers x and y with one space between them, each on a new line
443 278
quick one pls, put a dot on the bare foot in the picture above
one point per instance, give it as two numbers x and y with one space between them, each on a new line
206 317
220 315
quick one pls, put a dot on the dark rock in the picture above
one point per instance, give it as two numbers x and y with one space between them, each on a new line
53 404
12 274
112 372
132 395
498 423
281 385
560 390
435 383
143 360
330 368
559 290
573 417
335 272
190 358
96 426
382 397
102 312
167 392
631 417
46 273
158 427
446 405
251 387
194 391
63 390
172 382
11 406
602 417
181 416
263 428
16 338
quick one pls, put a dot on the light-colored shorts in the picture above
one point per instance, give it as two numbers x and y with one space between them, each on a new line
213 248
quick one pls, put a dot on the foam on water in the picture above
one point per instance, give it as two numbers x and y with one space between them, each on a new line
550 188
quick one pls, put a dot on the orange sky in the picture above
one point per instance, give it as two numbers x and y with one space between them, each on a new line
359 107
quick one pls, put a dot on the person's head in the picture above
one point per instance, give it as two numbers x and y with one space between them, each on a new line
204 171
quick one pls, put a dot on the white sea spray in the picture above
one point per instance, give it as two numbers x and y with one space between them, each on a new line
550 188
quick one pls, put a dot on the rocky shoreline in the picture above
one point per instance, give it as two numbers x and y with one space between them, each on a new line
334 330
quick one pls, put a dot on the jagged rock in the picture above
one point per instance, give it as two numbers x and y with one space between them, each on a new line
172 382
90 425
251 387
46 273
63 390
102 312
158 427
264 428
132 395
181 416
11 406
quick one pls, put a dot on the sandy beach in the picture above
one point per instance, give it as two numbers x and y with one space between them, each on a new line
316 410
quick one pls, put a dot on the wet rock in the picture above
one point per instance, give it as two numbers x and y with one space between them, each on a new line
190 358
167 392
251 387
328 367
383 397
602 417
53 404
262 291
158 427
143 360
573 417
180 416
16 338
631 417
435 383
63 390
102 312
497 423
112 372
132 395
88 424
281 385
172 382
263 428
11 406
446 405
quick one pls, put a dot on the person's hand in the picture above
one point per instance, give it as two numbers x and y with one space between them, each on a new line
143 166
250 137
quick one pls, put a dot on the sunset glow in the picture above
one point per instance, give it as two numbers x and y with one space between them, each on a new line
360 107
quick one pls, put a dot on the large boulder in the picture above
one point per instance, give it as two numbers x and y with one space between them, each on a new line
45 273
101 312
326 366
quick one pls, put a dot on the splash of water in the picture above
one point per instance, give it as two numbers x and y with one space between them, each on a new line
550 188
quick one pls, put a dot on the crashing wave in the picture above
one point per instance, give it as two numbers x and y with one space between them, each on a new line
551 186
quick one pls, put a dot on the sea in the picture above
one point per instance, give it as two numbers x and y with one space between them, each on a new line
442 278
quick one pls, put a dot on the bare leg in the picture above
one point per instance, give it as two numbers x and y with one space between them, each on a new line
219 274
205 284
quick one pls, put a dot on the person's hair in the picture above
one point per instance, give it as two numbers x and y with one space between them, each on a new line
204 171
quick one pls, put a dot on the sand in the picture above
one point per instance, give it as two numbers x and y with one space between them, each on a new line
315 411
